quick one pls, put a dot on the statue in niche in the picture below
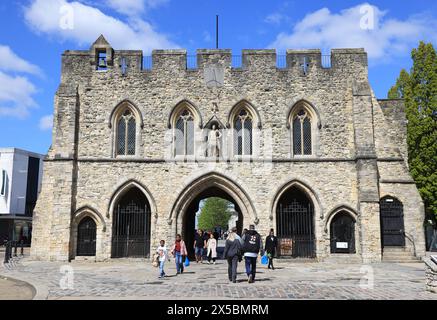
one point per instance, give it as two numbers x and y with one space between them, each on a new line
214 142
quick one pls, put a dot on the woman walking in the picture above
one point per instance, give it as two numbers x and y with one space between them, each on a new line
271 245
212 248
179 250
232 254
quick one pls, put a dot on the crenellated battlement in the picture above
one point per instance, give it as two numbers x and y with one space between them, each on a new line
103 58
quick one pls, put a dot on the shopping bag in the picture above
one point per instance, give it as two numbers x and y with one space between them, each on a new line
187 262
264 259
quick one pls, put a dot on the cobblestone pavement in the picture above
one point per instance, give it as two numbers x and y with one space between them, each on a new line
136 279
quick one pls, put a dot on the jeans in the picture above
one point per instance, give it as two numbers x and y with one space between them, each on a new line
199 251
178 260
232 268
161 268
250 266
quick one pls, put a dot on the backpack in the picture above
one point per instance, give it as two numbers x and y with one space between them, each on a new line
252 242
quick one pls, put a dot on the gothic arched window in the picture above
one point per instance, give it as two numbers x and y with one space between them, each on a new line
126 134
243 133
302 134
184 134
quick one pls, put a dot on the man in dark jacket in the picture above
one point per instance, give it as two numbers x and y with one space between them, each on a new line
252 246
271 245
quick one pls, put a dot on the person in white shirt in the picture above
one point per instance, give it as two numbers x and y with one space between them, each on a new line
162 253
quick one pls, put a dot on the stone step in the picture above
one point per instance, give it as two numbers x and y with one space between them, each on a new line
400 259
395 249
401 254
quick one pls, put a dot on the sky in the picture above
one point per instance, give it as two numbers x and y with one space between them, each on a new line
36 32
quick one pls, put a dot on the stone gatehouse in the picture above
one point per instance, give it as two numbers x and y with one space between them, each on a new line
304 148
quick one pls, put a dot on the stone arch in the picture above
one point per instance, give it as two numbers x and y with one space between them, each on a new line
303 103
304 187
313 115
126 186
197 185
77 217
125 103
342 208
113 120
178 108
240 105
297 205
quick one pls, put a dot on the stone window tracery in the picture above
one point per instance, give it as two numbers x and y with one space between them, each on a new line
126 134
184 134
302 140
243 136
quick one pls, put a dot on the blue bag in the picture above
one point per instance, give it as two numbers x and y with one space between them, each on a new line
264 259
187 262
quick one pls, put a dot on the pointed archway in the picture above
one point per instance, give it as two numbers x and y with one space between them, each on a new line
209 185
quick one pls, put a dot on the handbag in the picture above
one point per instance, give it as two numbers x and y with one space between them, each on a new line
264 259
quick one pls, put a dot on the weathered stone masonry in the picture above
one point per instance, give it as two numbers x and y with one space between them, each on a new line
358 152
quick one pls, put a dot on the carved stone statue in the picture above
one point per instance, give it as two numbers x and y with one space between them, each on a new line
214 138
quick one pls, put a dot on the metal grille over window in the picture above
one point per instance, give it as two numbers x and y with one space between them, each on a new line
131 137
297 139
306 136
243 133
302 141
126 134
121 144
184 134
248 136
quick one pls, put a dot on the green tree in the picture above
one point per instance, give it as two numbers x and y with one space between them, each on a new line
419 89
397 91
214 213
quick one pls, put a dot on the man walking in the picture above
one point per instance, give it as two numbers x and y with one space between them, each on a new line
271 245
251 248
199 244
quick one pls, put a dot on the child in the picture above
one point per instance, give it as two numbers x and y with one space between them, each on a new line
162 252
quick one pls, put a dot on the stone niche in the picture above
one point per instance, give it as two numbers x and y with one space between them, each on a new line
431 273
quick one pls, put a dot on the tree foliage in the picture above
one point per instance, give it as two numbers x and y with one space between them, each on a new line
214 213
419 89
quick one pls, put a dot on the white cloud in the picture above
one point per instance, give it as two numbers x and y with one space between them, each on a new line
46 122
275 18
387 38
128 7
16 95
9 61
83 24
134 7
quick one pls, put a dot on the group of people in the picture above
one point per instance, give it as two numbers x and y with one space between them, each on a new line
249 246
205 241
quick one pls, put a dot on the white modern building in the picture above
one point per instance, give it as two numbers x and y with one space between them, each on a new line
20 183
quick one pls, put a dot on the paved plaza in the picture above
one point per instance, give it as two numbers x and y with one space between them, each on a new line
137 279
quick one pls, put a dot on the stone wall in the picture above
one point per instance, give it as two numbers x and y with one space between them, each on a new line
83 175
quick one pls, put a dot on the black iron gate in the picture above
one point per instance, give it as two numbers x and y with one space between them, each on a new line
342 233
392 222
131 230
86 237
294 221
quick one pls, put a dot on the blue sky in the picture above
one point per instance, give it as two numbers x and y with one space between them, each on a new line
36 32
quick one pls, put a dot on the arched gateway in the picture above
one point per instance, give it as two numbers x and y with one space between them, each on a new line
209 185
131 225
295 223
